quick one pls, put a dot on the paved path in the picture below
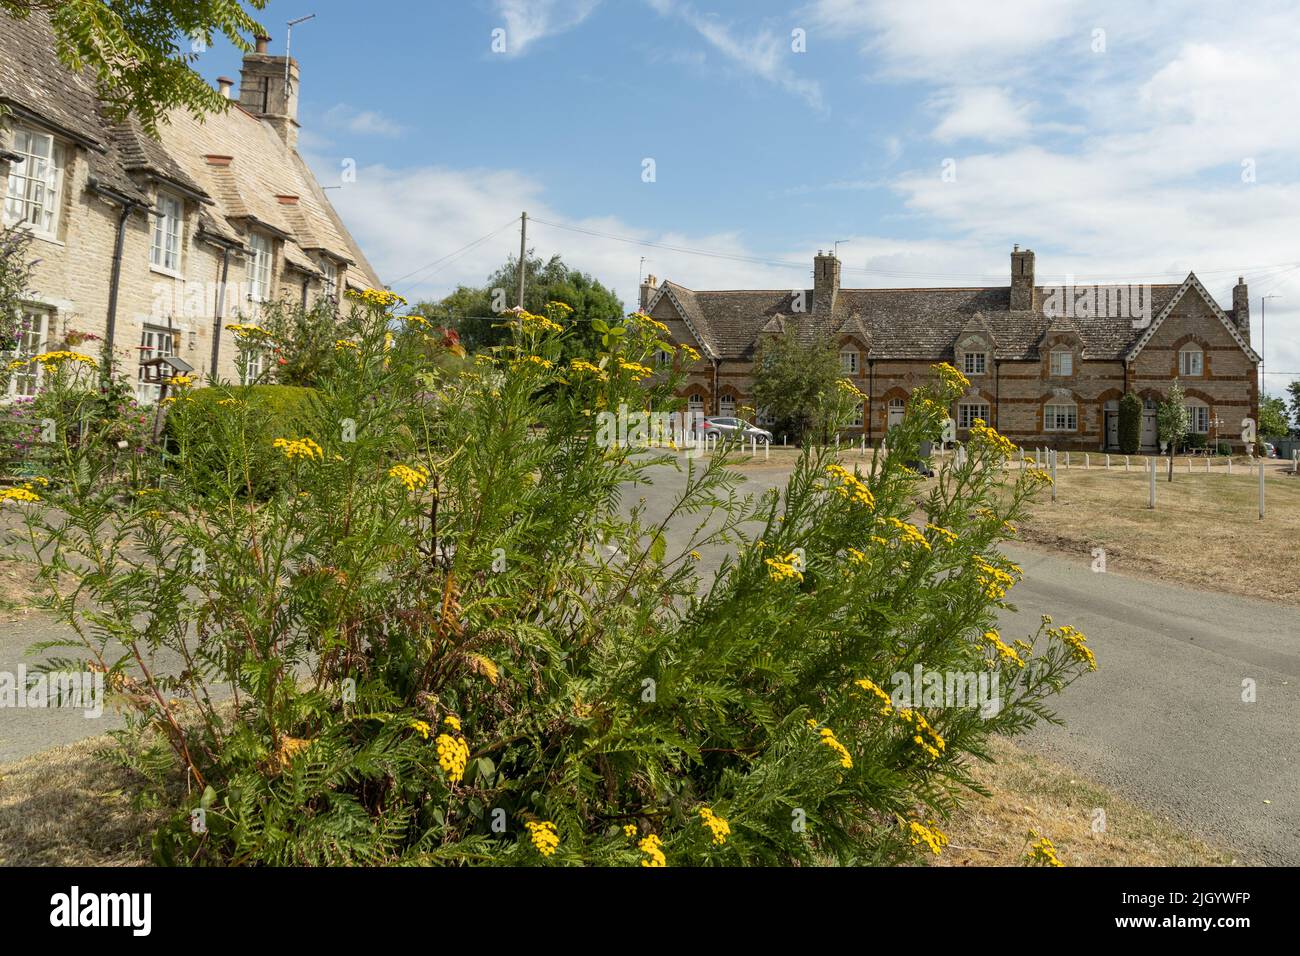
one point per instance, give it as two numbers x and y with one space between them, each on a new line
1162 722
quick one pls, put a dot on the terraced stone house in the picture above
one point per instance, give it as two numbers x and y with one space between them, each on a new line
155 245
1047 365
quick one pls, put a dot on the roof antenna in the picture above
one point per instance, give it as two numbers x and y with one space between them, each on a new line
288 39
838 243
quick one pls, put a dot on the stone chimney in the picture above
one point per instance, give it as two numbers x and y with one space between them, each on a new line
1241 308
1022 279
826 281
264 92
224 83
648 290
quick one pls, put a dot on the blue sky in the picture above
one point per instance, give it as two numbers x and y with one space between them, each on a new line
1118 140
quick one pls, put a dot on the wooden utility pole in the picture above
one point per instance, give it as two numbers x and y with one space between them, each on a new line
523 251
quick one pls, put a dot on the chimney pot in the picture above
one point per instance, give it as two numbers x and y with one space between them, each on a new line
224 83
260 43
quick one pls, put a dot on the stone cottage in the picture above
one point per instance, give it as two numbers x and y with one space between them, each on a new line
1047 365
155 245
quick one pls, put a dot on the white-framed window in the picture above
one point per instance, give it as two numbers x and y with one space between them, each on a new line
1061 417
859 411
663 358
974 363
36 183
1191 361
168 224
259 267
849 361
1062 362
156 341
33 335
727 406
254 366
967 412
1198 419
330 278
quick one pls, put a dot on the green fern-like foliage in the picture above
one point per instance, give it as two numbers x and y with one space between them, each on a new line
450 635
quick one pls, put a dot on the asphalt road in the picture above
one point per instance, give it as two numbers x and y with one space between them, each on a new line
1162 722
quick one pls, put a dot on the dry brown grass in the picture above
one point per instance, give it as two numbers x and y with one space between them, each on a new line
1031 793
68 807
1205 531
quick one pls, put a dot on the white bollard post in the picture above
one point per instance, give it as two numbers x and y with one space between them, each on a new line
1085 461
1261 490
767 450
1189 466
1230 465
1151 502
1067 461
1053 461
1207 464
1108 462
1126 462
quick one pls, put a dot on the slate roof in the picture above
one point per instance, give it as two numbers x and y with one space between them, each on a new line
125 159
899 323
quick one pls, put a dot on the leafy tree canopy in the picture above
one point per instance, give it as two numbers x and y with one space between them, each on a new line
1273 418
474 311
793 378
140 51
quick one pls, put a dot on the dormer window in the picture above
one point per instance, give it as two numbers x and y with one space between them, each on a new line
1191 361
169 219
329 278
35 187
259 267
849 361
974 363
1062 362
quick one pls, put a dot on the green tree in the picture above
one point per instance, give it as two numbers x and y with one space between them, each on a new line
140 52
1130 424
793 379
1172 421
1273 418
474 312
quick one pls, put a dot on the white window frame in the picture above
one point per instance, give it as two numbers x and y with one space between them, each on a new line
967 412
168 231
859 415
1055 413
849 361
32 341
1188 368
34 191
723 402
330 278
1195 414
155 341
254 365
975 363
260 250
1061 363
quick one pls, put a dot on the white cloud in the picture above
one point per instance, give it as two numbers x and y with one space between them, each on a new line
765 54
406 219
980 112
527 21
957 39
362 122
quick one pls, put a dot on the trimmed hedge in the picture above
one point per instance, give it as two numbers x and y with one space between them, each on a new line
263 413
1130 424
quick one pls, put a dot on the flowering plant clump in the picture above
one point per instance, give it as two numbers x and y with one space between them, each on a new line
448 633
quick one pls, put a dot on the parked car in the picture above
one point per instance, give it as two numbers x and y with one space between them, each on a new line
1269 450
727 429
